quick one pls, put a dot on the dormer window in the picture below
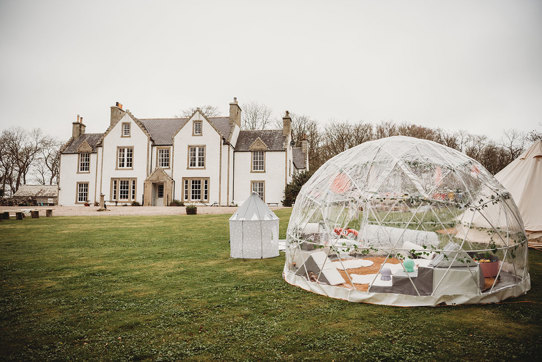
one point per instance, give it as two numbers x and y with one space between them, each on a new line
197 128
84 162
258 161
126 130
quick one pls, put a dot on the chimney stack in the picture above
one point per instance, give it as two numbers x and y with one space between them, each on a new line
78 128
304 145
116 114
235 113
286 124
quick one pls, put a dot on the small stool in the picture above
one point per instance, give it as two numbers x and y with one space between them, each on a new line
35 214
48 212
19 215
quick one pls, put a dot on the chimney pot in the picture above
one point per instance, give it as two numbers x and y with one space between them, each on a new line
116 113
286 125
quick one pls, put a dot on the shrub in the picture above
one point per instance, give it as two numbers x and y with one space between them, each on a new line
176 203
293 188
135 203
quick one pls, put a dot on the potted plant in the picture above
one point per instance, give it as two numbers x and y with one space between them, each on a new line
489 264
191 210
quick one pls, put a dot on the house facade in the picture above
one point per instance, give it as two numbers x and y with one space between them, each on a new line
196 159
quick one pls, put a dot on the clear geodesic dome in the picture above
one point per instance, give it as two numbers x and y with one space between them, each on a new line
403 221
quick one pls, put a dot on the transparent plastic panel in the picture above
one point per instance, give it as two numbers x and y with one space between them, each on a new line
407 217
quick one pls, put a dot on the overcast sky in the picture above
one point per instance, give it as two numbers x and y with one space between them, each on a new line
473 65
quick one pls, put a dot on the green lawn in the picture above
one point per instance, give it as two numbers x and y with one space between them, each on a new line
163 287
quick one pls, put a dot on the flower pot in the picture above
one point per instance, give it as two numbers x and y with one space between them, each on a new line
191 210
490 270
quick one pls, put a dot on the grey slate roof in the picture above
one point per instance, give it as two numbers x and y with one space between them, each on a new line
299 158
222 124
91 138
37 191
271 137
162 130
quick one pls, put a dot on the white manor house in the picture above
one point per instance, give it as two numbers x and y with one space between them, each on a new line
197 160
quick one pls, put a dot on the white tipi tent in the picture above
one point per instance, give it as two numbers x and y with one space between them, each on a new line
254 230
523 179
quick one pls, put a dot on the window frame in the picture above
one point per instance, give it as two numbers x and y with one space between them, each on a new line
115 189
77 185
125 157
252 161
187 190
197 147
158 149
194 122
80 159
252 183
129 128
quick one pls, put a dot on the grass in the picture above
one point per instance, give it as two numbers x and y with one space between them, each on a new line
165 288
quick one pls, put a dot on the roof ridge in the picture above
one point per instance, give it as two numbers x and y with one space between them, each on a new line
162 118
259 130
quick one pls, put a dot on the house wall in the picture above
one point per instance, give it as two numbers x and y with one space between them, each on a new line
212 142
139 140
273 176
229 172
69 177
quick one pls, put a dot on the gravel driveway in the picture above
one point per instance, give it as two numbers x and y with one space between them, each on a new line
120 210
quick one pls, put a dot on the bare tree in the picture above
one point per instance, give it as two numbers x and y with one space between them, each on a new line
413 130
337 138
48 161
513 142
475 145
255 116
462 139
303 127
494 158
386 129
533 136
362 132
450 139
19 151
207 110
7 162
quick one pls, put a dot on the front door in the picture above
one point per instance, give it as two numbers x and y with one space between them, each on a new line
159 200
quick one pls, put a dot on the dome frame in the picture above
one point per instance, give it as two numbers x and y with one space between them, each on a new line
398 199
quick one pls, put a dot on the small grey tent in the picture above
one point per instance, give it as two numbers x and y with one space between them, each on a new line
254 230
